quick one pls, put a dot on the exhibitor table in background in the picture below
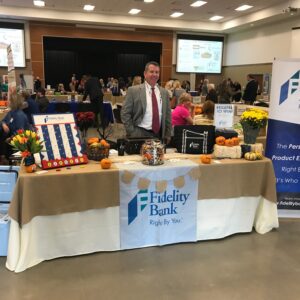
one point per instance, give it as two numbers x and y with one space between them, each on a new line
80 208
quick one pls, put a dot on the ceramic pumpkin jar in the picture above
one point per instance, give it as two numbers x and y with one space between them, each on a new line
229 142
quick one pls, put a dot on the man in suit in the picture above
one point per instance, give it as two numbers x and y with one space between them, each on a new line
146 111
93 89
250 92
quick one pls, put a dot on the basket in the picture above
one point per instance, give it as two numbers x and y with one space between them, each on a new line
97 153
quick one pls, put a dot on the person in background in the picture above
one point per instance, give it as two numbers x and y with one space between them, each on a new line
250 92
177 91
94 91
30 107
80 88
4 88
23 84
146 110
42 100
61 89
204 90
181 115
102 84
115 88
73 84
186 85
169 88
212 94
207 116
13 121
237 92
224 92
37 84
136 80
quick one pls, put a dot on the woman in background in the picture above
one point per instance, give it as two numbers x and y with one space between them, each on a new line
207 116
13 121
181 115
212 94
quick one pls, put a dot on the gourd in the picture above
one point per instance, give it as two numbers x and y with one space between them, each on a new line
259 156
220 140
205 159
105 163
250 156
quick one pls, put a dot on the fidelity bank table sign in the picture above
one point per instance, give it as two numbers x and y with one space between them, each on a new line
149 217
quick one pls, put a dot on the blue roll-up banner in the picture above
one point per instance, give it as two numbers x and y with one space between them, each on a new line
283 137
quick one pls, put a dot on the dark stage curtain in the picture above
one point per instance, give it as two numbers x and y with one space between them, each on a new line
100 58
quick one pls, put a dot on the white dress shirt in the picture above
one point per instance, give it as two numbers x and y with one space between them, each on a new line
147 120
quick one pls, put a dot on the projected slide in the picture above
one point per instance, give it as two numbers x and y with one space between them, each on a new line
15 37
199 56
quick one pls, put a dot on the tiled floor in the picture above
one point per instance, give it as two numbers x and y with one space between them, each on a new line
243 266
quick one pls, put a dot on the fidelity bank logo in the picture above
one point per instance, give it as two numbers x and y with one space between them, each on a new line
290 87
139 202
160 204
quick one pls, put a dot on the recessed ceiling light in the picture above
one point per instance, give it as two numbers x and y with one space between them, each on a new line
89 7
39 3
198 3
148 1
243 7
134 11
176 14
216 18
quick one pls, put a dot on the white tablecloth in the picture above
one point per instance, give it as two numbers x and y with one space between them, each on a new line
70 234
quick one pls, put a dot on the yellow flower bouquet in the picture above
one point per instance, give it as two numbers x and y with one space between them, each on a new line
254 117
27 142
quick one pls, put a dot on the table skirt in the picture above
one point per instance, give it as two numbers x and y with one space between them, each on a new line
70 234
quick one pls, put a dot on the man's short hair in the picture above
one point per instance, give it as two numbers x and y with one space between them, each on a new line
42 91
151 63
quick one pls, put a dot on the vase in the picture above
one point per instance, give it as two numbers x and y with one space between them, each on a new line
250 133
29 163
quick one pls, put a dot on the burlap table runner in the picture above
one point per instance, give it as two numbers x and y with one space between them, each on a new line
89 187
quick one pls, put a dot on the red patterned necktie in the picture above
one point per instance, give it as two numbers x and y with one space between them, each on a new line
155 114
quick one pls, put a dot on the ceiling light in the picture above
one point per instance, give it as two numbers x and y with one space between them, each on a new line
198 3
89 7
39 3
148 1
134 11
176 14
243 7
216 18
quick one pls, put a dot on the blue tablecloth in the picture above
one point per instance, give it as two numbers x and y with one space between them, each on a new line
74 107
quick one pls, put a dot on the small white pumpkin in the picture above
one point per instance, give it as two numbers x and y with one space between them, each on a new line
250 156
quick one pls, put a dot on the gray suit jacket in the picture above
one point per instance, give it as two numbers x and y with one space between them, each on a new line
134 109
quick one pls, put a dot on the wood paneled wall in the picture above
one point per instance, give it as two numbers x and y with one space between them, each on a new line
38 30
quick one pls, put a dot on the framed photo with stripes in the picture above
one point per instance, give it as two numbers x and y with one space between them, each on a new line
62 146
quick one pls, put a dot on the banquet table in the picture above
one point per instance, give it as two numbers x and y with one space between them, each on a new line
76 211
74 107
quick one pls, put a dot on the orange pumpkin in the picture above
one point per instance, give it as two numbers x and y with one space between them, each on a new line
236 141
105 163
93 140
198 110
205 159
104 143
229 143
220 140
31 168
